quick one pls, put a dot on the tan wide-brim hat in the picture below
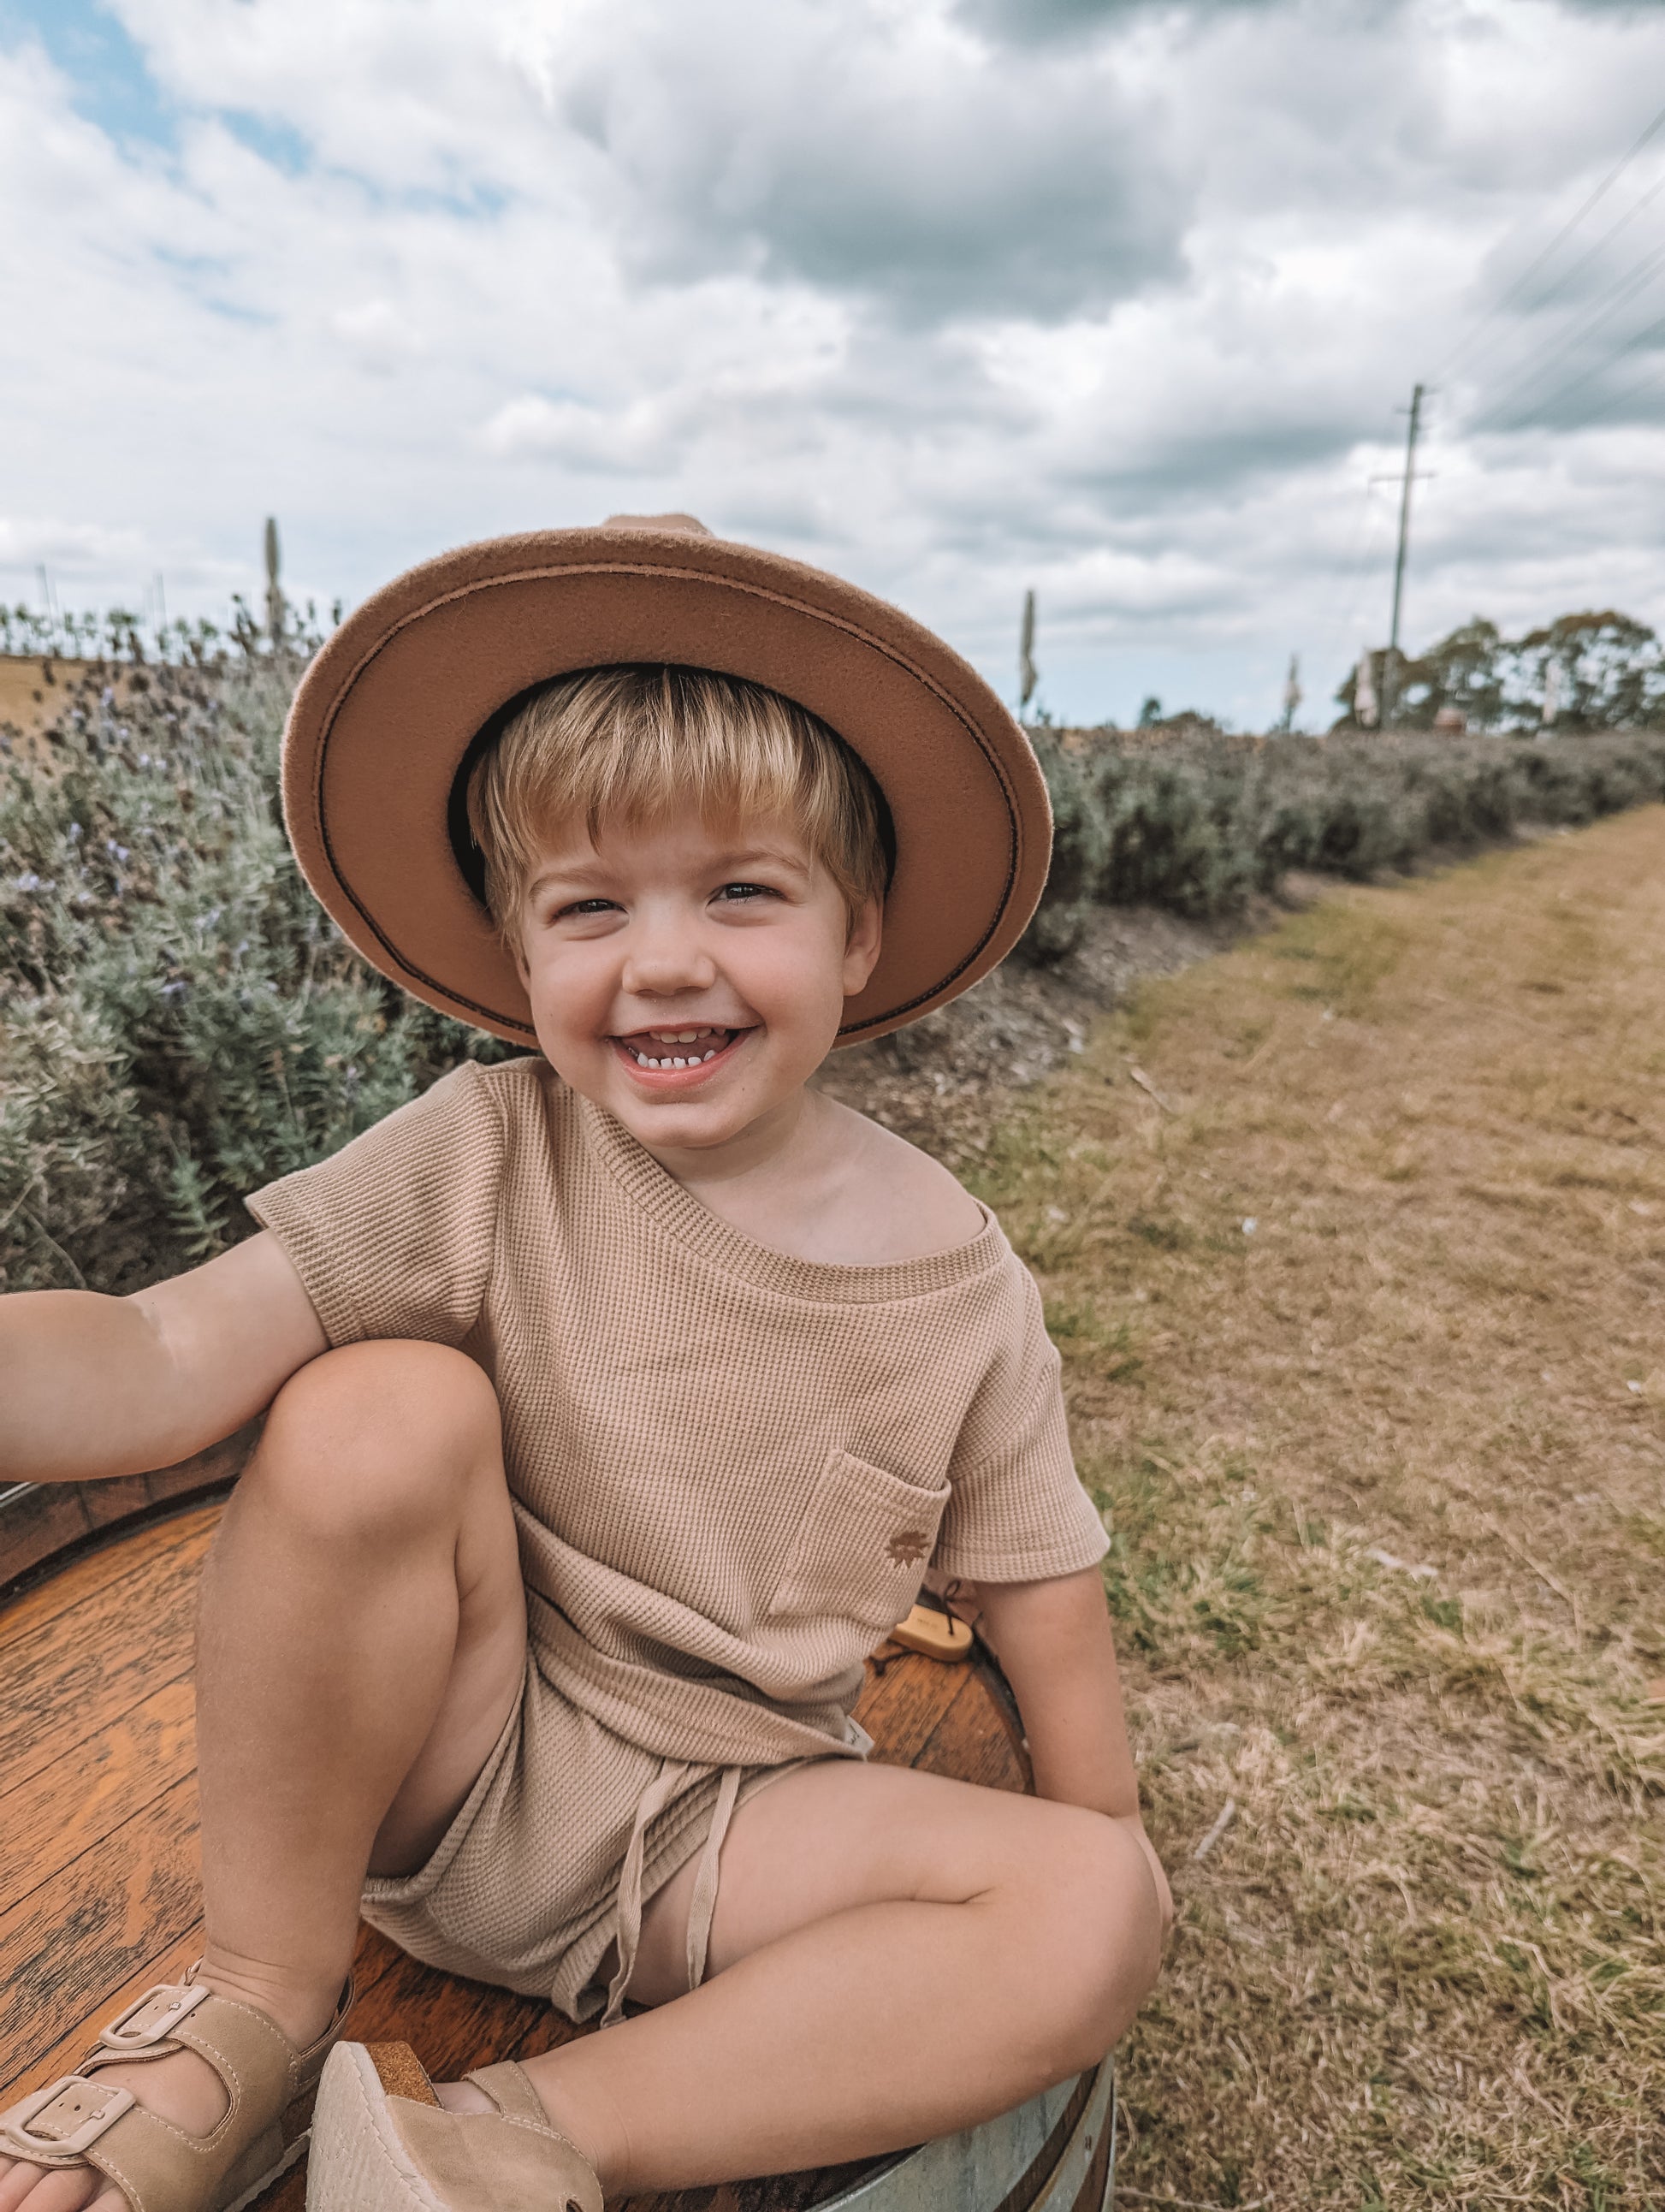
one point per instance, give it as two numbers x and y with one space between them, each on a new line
382 726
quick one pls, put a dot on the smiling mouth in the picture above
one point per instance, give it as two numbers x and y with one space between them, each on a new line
662 1051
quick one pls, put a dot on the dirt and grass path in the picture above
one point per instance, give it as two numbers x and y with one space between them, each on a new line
1360 1282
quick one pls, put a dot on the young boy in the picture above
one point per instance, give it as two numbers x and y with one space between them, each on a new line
618 1399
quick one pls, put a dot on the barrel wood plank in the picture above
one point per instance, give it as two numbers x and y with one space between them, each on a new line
96 1662
41 1525
57 1813
25 1612
94 1923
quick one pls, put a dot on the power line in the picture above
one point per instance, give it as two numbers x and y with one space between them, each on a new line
1594 252
1356 566
1650 382
1565 231
1566 342
1365 579
1640 338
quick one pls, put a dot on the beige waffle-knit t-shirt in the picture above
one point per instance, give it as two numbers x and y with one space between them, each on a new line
730 1469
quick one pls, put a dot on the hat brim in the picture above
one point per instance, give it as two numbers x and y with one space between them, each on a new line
389 707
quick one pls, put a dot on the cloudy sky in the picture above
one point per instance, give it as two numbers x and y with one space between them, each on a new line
1118 300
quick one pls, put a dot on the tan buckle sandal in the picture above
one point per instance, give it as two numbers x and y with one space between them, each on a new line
80 2121
382 2141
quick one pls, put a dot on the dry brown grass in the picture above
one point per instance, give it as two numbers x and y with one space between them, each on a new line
1384 1480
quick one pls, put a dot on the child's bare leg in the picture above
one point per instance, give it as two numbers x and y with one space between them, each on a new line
362 1642
894 1956
363 1637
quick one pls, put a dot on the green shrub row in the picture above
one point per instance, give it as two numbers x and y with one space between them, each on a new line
179 1023
1201 821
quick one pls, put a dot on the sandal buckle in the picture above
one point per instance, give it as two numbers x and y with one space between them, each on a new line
152 2019
89 2108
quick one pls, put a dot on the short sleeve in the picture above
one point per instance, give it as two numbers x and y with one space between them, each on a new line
393 1235
1017 1512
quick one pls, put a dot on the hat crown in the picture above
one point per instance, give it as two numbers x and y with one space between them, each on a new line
689 525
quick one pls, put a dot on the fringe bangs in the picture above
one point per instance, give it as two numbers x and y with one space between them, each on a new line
636 746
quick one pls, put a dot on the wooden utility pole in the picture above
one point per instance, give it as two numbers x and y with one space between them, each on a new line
1390 674
275 607
1028 674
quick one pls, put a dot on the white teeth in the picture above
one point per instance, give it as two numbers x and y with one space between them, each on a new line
678 1059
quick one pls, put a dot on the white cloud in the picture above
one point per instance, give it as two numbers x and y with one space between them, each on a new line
640 441
1113 300
874 150
378 335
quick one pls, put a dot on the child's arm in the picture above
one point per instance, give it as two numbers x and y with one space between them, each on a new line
1057 1652
94 1386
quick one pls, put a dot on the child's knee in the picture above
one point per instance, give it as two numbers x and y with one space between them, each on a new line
382 1435
1103 1946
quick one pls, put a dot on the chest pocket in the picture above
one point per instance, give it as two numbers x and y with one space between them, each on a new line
864 1545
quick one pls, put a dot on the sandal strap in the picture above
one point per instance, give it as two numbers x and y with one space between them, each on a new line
306 2065
148 2022
471 2161
185 2015
160 2168
509 2087
55 2126
81 2121
249 2053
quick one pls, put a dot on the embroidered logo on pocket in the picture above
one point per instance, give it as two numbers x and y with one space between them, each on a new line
910 1547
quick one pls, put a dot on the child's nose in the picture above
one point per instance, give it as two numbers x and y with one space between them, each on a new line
662 960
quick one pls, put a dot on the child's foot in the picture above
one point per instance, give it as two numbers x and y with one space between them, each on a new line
387 2139
182 2088
455 2096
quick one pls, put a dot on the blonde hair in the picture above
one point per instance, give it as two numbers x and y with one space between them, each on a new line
637 745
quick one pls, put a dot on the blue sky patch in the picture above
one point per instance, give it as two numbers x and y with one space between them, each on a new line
113 87
113 84
276 143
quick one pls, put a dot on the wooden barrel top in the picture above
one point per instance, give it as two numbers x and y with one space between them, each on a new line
99 1873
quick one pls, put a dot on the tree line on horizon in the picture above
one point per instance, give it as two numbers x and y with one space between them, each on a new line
1599 670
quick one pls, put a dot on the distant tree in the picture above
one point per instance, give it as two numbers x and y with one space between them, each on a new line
1609 675
1612 672
1467 670
1150 713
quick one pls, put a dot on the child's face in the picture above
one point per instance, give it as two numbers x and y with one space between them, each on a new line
730 949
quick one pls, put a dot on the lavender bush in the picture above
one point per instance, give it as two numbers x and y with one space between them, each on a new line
178 1022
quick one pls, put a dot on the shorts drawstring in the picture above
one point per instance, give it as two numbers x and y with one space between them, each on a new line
626 1926
704 1903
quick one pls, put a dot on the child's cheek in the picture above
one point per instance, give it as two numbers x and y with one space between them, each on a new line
570 989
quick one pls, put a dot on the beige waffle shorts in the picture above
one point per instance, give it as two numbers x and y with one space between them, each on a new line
567 1833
